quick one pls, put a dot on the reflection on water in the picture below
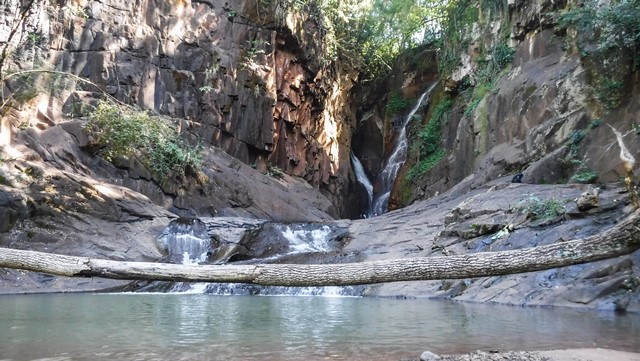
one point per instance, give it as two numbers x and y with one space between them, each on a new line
204 327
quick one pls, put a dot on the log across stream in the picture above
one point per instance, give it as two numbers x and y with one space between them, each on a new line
619 240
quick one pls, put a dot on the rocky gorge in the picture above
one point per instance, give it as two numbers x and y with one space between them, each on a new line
277 126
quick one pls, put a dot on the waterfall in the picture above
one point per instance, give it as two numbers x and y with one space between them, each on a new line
246 241
389 171
361 175
186 241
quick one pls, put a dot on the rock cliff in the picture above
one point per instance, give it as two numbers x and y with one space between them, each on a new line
538 112
244 76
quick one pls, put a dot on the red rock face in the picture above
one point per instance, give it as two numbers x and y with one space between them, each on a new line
235 74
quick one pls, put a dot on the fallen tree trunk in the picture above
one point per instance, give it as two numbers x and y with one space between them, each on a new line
624 238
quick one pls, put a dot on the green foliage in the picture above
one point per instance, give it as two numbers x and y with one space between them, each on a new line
366 34
615 23
595 123
613 27
123 132
254 48
275 172
472 105
584 175
488 72
393 26
494 8
459 19
609 93
479 91
424 165
449 60
490 67
538 209
429 148
397 104
575 137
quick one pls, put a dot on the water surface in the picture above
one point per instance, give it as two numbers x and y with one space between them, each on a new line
205 327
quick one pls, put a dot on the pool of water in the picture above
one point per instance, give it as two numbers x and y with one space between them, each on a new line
205 327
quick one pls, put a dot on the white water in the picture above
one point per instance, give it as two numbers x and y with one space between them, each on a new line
301 240
361 175
194 251
395 161
187 246
191 248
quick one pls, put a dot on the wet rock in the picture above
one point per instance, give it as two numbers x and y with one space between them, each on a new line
427 229
275 239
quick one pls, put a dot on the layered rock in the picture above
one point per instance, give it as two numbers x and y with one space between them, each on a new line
503 216
55 197
242 76
540 116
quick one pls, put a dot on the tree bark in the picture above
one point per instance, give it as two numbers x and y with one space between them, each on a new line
622 239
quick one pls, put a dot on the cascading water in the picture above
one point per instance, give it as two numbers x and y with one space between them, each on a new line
361 176
186 241
395 161
235 240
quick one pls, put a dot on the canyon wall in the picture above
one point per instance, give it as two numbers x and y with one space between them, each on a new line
248 77
545 114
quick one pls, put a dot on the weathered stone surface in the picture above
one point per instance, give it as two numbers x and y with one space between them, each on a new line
427 228
62 199
588 200
541 117
252 83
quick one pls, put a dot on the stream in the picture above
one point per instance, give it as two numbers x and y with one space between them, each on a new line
206 327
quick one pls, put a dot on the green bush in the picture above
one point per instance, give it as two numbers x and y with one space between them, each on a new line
122 132
275 172
538 209
616 23
429 147
497 59
425 165
397 104
613 27
584 175
575 137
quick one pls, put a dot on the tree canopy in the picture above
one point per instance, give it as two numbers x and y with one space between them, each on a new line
373 32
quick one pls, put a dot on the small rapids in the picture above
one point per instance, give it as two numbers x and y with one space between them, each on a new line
228 241
186 241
